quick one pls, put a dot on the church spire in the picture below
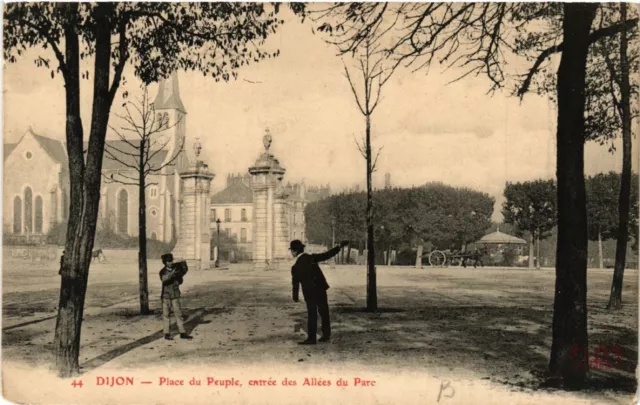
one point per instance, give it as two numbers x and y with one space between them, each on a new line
168 97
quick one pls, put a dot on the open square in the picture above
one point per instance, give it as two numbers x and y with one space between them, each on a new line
491 325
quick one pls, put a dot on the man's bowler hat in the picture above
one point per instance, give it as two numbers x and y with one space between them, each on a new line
296 245
167 257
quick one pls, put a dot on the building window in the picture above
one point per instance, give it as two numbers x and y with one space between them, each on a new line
28 213
165 120
38 214
227 231
17 215
28 155
154 236
159 120
243 235
227 214
154 212
294 218
243 214
122 221
153 192
213 214
294 234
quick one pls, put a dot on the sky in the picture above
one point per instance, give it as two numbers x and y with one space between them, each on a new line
428 130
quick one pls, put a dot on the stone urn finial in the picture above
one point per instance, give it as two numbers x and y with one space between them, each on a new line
266 140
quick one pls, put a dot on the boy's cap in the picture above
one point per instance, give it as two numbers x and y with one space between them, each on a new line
167 257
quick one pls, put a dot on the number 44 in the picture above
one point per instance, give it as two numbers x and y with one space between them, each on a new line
76 383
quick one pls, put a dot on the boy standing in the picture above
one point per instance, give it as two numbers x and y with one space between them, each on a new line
171 279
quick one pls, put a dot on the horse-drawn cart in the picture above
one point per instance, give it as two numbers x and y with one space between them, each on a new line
443 258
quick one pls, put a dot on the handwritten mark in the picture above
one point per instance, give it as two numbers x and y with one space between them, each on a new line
444 385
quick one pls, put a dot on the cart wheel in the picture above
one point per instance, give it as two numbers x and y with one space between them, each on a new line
437 258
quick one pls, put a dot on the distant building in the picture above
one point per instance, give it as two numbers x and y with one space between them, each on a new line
387 180
316 193
234 207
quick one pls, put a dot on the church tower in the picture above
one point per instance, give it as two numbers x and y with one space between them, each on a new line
170 114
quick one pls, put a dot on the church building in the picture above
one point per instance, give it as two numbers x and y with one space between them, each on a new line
36 178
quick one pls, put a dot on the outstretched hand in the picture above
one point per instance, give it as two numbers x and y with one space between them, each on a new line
344 243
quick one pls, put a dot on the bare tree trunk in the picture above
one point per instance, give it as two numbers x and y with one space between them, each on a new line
600 255
615 300
419 254
372 295
84 183
531 242
538 252
570 303
142 234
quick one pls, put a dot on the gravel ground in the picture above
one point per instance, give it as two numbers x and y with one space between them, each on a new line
488 329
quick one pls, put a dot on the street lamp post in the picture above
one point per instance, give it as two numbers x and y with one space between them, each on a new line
217 242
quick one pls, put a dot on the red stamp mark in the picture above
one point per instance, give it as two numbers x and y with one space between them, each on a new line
603 358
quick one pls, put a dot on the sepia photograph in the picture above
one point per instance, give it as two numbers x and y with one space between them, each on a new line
312 203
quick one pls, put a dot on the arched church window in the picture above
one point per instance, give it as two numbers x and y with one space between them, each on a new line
38 214
154 236
123 212
159 120
17 214
165 120
28 213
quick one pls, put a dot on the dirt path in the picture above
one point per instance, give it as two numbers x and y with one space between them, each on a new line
488 328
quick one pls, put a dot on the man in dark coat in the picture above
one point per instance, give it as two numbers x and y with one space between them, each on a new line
172 276
307 272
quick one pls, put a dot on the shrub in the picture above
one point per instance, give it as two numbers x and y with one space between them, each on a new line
106 238
509 257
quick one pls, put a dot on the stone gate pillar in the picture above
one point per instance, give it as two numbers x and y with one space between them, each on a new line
270 227
194 232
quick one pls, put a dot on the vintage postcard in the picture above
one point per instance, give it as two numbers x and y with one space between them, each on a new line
312 203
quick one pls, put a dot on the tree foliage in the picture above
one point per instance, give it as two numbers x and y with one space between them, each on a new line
438 214
156 38
531 207
603 191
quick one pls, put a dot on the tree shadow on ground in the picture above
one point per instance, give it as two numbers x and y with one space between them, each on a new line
195 319
509 344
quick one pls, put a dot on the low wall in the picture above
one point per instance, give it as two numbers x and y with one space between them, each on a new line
53 253
32 253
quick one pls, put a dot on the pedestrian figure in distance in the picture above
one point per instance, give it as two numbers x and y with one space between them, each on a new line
61 261
172 276
307 272
477 258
